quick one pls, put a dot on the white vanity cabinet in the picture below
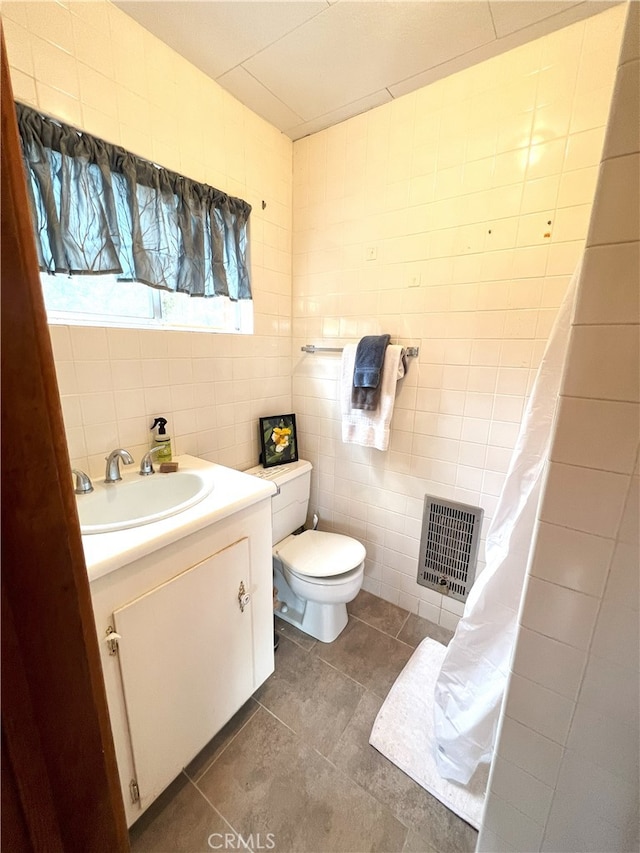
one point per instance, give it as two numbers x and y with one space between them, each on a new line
195 626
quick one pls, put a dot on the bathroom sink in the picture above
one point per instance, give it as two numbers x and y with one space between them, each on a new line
137 500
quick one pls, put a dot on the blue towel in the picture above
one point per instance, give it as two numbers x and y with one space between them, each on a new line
367 371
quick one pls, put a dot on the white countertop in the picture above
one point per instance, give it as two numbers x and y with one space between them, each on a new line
232 491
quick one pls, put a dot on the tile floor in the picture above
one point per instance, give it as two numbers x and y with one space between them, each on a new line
293 768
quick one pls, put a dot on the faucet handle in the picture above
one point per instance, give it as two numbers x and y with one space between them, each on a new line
146 465
83 484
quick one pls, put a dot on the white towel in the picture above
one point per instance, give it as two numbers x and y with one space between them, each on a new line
370 429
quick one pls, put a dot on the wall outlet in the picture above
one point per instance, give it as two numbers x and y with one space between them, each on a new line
371 253
413 279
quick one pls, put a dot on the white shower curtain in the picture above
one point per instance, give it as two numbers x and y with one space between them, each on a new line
470 687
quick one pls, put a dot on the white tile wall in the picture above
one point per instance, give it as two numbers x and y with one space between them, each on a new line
578 639
91 65
540 756
581 425
478 189
548 661
571 558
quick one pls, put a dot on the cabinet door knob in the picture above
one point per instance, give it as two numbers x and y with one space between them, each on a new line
243 597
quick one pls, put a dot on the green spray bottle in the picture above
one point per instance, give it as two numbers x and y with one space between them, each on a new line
162 440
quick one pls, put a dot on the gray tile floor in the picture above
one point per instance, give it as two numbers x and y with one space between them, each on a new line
293 770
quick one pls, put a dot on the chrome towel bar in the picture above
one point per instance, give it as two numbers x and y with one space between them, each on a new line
410 352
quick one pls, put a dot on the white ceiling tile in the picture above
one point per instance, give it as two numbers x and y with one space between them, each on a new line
512 15
217 36
253 94
572 13
355 48
376 99
307 64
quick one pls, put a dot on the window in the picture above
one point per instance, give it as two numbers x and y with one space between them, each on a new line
89 301
126 242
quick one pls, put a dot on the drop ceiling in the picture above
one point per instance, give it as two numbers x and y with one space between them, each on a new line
305 65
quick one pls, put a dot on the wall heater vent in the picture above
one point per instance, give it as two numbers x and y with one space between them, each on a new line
449 546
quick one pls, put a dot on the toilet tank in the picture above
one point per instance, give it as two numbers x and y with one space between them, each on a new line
290 506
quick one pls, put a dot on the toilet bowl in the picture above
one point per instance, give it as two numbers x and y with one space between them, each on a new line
323 572
316 573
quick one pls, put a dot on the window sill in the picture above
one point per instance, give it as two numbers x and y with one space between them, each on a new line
137 323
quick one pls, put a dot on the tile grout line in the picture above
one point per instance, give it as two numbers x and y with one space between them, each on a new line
394 636
347 776
341 772
224 748
407 826
402 626
299 734
345 674
380 631
397 636
210 804
276 717
298 643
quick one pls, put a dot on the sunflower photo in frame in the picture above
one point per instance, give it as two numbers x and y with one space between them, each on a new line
278 440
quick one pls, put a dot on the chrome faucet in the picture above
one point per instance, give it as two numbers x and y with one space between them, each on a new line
146 465
83 484
112 474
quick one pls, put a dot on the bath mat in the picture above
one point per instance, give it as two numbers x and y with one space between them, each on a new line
403 733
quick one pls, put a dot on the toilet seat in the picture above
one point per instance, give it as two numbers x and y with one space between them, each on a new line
327 557
328 582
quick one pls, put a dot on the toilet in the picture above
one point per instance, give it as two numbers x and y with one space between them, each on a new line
316 573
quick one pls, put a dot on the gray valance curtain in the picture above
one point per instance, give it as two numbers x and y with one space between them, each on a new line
99 209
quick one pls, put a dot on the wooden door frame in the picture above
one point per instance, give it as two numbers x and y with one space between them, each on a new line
60 785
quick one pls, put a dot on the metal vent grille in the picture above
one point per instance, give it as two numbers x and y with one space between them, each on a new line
449 546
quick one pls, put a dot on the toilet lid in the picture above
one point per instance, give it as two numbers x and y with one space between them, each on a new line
321 555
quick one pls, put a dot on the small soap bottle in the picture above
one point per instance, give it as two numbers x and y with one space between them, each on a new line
162 440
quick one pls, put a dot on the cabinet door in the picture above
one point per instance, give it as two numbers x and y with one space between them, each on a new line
186 663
